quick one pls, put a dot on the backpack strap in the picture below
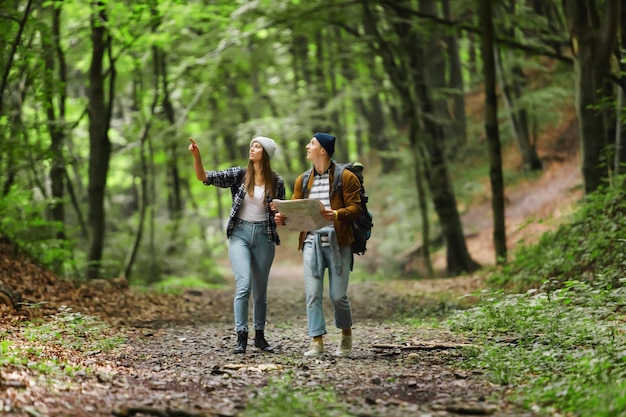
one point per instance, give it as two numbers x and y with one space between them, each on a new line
337 179
305 182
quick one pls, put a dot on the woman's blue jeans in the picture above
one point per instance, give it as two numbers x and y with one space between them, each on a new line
338 289
251 256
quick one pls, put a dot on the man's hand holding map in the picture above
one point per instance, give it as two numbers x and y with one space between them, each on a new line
302 215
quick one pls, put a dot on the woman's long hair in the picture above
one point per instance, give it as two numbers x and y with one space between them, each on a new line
268 176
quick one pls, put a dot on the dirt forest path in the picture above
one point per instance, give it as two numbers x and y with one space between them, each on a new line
185 367
191 368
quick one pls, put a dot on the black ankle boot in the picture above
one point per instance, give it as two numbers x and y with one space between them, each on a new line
242 342
261 343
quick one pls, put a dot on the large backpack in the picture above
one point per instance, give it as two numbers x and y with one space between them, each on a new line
362 225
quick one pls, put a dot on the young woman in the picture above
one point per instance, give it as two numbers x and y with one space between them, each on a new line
251 232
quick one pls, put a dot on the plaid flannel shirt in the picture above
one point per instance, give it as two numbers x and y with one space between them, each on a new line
233 178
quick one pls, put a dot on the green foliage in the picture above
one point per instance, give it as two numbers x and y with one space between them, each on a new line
23 222
4 348
399 224
66 329
191 250
561 343
73 330
360 274
593 243
227 71
177 285
283 397
562 350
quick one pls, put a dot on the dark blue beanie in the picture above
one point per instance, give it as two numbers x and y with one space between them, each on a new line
327 141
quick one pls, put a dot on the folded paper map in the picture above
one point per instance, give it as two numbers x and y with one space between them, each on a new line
302 215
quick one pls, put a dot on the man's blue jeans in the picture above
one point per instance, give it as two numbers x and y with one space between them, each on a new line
251 256
338 289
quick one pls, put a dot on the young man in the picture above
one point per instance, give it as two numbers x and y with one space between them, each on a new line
328 247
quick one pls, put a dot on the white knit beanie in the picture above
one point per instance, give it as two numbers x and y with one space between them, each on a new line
268 144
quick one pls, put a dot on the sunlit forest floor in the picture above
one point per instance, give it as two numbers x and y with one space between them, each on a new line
174 357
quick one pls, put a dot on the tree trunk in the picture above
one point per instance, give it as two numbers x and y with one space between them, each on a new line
332 81
302 74
74 199
12 138
440 183
472 65
56 122
618 132
513 83
492 130
144 201
379 140
174 189
99 143
433 64
455 82
155 270
12 154
593 37
518 116
411 77
6 67
372 109
620 148
401 81
418 163
144 173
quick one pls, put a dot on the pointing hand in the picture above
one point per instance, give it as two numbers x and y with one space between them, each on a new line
193 147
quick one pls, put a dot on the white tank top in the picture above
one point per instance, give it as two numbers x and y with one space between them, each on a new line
253 208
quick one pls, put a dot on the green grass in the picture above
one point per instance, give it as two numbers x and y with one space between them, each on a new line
552 326
66 329
360 275
284 397
178 285
592 244
74 331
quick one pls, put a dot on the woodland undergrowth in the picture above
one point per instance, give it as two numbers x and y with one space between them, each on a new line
551 325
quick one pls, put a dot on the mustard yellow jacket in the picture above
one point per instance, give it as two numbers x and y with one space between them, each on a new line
347 203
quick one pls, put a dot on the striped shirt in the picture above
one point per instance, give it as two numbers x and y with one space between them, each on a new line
320 190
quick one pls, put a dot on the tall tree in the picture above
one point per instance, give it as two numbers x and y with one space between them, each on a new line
415 81
55 91
143 192
100 107
10 56
620 148
593 35
399 76
513 83
485 13
14 23
455 82
427 62
175 202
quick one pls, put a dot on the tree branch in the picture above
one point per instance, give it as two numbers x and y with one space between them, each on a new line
14 44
